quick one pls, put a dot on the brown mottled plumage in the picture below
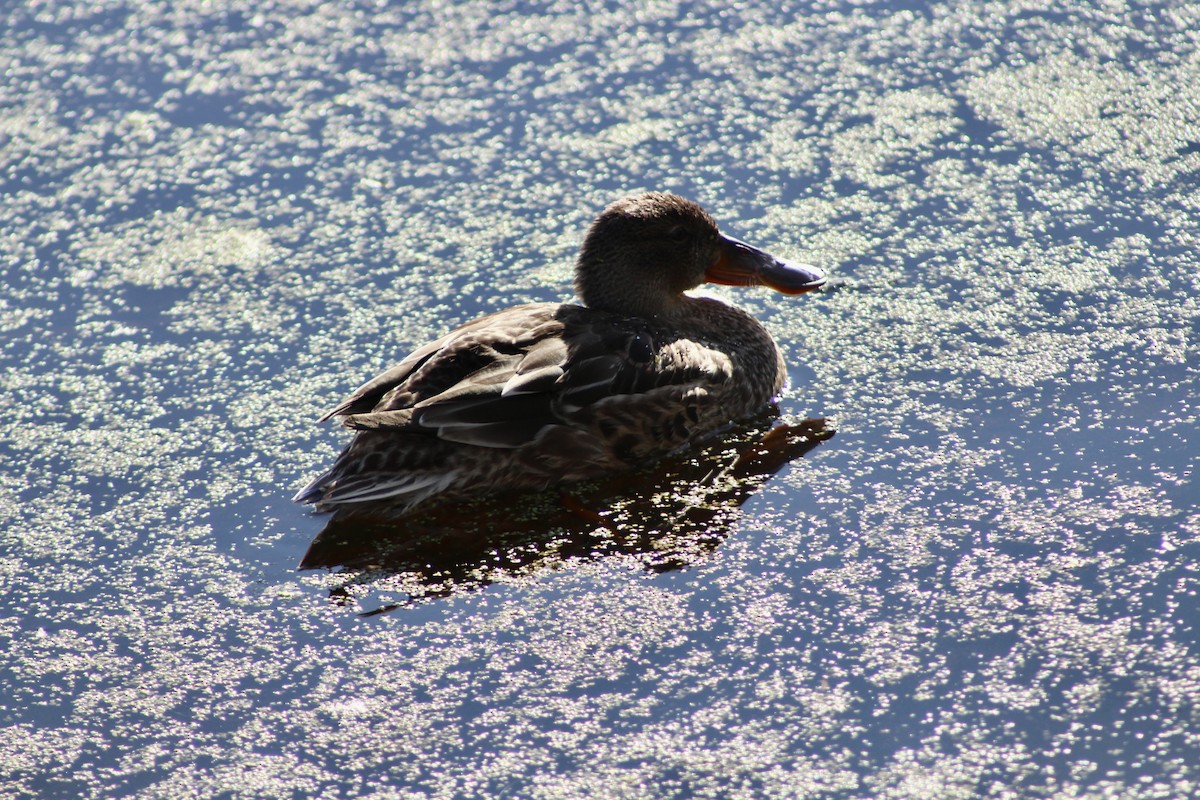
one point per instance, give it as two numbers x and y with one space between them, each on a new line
545 393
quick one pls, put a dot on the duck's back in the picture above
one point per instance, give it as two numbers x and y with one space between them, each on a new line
543 393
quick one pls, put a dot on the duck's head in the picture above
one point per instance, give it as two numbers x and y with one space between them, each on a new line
644 251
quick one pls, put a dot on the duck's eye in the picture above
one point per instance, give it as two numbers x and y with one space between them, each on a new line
678 234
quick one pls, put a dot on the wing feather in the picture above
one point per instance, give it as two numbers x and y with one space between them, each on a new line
503 380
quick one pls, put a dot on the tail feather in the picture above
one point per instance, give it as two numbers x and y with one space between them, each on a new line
313 490
407 489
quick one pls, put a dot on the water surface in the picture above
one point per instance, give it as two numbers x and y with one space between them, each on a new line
218 221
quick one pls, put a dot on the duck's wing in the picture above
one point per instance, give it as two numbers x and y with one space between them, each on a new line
366 397
540 371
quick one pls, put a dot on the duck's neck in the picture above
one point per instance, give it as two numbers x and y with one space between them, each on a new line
636 298
712 315
706 316
684 312
677 311
674 311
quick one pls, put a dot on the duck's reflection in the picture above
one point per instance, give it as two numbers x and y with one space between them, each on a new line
668 516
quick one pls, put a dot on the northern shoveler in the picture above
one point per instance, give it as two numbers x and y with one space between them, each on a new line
546 393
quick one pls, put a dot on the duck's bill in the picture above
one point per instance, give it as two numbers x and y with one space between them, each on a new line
739 264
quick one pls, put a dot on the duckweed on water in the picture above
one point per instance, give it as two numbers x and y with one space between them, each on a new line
217 221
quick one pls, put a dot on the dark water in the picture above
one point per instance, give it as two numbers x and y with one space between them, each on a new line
217 222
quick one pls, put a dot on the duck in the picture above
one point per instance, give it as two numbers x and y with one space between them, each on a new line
544 394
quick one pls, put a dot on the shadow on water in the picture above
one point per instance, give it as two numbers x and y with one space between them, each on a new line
668 516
